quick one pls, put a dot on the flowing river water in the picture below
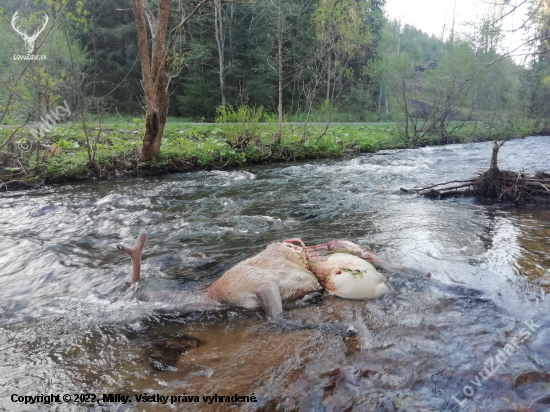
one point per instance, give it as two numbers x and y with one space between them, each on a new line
68 323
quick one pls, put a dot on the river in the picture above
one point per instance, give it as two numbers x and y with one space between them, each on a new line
68 323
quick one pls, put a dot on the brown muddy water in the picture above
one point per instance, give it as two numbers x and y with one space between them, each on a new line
69 325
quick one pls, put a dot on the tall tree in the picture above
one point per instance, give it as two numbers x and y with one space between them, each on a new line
153 63
220 42
280 73
343 33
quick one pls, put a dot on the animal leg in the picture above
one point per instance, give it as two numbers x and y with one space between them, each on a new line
135 254
270 299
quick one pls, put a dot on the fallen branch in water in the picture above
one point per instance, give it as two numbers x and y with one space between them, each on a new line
493 184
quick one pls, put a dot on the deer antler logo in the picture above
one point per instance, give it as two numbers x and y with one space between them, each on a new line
28 39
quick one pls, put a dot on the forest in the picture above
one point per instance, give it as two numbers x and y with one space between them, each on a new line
270 80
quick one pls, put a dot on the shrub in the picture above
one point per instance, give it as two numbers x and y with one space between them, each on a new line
239 125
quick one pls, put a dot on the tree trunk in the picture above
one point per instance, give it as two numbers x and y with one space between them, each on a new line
494 163
155 120
153 74
152 68
220 41
386 100
490 185
231 33
328 76
453 27
280 71
38 93
379 108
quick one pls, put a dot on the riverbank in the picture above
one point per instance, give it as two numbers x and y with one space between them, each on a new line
63 157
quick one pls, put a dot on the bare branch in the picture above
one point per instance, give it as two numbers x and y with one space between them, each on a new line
15 131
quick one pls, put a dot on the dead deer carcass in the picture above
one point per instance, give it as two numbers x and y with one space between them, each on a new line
281 273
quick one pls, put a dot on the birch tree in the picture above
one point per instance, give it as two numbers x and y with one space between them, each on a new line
220 42
281 56
342 33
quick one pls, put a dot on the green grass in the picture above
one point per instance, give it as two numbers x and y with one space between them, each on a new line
194 147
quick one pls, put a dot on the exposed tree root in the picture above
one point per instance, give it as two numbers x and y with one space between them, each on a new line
494 184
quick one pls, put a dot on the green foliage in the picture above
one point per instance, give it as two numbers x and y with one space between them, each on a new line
69 165
239 124
348 30
380 70
536 90
197 98
202 147
436 87
34 88
339 25
244 115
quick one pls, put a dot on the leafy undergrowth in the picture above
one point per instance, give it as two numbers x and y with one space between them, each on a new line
184 148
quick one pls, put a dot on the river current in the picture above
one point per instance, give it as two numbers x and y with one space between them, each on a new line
69 324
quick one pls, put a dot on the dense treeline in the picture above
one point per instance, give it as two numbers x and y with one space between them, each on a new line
117 69
340 60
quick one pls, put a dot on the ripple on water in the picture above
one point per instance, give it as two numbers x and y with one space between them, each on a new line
69 323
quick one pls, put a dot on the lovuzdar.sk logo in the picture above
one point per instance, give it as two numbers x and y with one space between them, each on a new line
30 40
